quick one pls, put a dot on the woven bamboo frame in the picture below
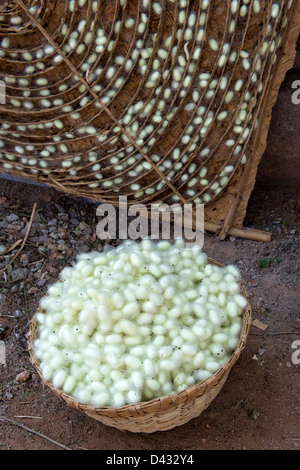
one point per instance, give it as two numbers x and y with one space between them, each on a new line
159 414
74 131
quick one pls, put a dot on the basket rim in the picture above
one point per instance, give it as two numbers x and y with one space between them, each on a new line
167 398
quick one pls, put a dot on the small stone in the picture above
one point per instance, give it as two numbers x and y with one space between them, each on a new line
61 246
63 236
82 226
33 229
84 249
106 248
24 259
32 290
19 273
12 218
15 229
3 249
35 377
23 376
51 270
63 216
52 222
255 415
53 233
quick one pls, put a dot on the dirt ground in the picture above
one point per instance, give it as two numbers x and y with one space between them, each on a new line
258 408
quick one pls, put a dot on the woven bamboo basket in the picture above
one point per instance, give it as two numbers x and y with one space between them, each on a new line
166 100
159 414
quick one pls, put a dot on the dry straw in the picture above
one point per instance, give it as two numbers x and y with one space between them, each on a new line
159 414
154 100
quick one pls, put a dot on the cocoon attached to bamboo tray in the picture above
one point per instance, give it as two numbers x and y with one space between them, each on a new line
160 101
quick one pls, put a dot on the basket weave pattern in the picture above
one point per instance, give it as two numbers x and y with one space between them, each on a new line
153 100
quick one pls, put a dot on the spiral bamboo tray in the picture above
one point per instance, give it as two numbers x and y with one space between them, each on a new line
159 414
157 101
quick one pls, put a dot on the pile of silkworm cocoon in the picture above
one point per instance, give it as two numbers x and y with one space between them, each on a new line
138 322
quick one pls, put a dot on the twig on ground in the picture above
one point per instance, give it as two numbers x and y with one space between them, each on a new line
26 428
27 233
263 312
31 417
24 241
14 246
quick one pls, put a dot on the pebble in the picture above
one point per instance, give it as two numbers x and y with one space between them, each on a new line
2 249
63 235
254 415
52 222
19 273
84 249
23 376
35 226
12 218
62 216
62 246
32 290
82 226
